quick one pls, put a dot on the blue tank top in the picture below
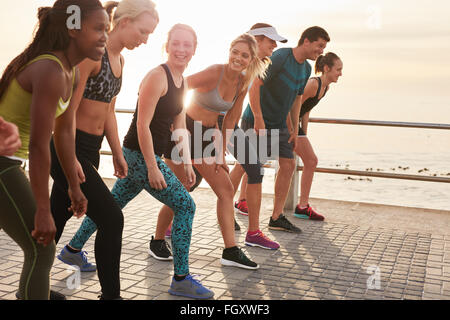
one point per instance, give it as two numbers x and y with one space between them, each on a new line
104 86
212 100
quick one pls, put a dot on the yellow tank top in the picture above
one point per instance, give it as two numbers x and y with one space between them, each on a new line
15 107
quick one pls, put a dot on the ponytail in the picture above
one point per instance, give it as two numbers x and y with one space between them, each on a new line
325 60
109 8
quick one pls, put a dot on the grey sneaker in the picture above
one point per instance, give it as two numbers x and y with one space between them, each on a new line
283 224
160 250
191 288
76 259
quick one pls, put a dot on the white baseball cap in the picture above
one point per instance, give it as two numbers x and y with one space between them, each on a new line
269 32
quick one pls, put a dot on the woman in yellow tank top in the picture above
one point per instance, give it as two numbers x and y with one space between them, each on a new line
35 91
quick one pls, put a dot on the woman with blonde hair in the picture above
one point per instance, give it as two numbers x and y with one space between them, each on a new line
93 109
266 37
220 88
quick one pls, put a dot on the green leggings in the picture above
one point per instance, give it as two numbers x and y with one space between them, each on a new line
17 209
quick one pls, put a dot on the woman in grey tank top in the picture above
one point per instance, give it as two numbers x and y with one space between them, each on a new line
221 89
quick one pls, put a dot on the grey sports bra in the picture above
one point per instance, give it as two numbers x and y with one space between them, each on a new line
212 100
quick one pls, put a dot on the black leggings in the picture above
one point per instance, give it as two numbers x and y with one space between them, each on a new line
102 209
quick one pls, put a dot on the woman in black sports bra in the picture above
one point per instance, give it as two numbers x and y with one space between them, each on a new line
330 66
94 101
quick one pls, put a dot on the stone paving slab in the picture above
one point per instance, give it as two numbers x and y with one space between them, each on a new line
362 251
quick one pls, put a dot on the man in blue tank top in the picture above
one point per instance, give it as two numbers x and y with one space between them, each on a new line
274 109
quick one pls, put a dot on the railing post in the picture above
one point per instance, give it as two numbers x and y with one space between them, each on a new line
292 198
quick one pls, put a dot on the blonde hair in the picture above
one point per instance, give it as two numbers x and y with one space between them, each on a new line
180 26
129 9
257 67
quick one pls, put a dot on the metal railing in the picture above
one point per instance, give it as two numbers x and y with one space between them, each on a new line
291 201
417 125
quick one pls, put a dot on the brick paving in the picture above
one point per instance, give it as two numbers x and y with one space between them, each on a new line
361 251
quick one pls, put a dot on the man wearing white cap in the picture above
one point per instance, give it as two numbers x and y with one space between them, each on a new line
274 109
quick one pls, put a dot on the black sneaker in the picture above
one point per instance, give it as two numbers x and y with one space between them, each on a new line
102 297
54 295
283 224
160 250
234 257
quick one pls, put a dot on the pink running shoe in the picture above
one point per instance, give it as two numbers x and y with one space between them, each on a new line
241 207
261 240
308 213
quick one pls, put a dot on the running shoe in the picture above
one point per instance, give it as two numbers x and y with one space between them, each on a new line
308 213
241 207
160 250
261 240
54 295
191 288
283 224
234 257
78 259
102 297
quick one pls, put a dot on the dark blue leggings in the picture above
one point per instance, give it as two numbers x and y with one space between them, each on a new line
174 196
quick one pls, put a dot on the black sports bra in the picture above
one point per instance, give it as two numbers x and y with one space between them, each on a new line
105 85
310 103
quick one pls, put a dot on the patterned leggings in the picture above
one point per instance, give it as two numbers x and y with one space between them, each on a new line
175 196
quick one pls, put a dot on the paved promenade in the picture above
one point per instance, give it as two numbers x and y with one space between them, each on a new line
361 251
